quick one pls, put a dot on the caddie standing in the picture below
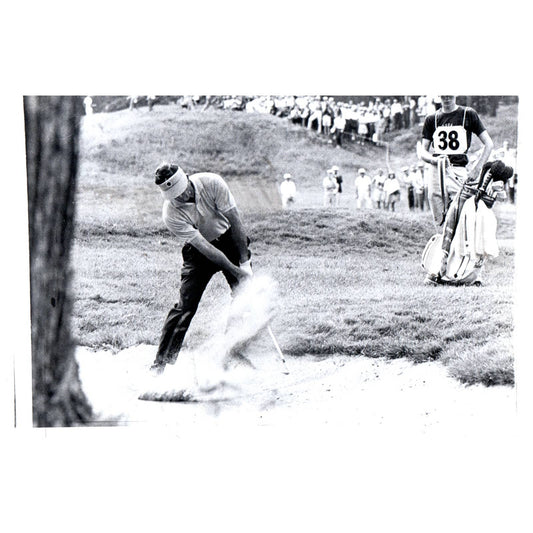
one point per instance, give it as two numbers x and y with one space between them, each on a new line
448 132
201 211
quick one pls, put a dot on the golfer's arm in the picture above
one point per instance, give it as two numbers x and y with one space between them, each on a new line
238 234
488 145
215 255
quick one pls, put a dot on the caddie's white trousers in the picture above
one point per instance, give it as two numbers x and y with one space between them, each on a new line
454 179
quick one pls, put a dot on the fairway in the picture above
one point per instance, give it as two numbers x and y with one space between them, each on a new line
349 282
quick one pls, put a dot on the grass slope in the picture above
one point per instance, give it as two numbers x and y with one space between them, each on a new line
349 283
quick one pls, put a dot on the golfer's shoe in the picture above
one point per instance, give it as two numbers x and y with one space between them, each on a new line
157 368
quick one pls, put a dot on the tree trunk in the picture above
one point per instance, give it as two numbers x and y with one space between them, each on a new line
52 132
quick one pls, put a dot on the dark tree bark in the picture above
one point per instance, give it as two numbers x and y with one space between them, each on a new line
52 132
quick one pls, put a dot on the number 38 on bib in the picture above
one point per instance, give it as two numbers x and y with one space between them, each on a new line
450 140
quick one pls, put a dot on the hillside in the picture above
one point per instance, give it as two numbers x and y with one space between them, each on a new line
244 148
120 151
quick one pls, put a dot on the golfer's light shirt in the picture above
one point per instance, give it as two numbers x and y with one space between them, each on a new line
205 216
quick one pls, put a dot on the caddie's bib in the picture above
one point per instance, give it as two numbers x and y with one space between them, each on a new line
450 139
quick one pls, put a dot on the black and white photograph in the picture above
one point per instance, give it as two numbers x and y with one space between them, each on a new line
265 269
272 258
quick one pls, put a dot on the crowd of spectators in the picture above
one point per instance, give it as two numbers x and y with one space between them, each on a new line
365 121
339 119
388 189
282 105
362 122
382 191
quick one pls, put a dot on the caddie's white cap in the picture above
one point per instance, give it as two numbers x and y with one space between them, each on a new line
334 167
286 176
174 185
362 171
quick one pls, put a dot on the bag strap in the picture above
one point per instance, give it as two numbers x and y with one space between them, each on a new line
464 117
441 169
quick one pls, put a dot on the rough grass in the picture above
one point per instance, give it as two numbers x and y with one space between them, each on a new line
340 293
349 282
351 295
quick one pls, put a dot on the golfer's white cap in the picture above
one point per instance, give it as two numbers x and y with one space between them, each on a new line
362 171
286 176
334 167
174 185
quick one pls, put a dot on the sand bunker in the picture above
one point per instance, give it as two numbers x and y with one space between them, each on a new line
340 390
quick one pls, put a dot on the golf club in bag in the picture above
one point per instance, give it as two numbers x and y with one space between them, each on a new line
456 255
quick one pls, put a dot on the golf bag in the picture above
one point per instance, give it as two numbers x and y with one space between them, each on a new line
469 236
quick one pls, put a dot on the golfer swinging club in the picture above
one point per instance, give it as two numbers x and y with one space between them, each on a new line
201 211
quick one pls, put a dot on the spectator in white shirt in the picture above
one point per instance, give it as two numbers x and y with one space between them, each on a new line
396 113
392 191
331 188
339 123
287 190
363 185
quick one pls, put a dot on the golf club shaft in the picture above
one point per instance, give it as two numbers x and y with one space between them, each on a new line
278 349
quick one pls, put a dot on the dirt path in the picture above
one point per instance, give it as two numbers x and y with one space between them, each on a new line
348 391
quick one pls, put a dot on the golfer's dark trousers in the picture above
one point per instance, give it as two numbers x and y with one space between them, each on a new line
196 273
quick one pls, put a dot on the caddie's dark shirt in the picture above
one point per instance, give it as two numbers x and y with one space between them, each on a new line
467 116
